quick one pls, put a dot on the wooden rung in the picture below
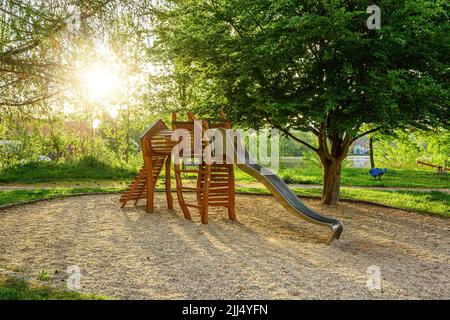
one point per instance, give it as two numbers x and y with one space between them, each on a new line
219 180
162 145
225 187
133 195
225 204
163 138
137 191
222 190
226 200
136 198
191 171
218 195
216 184
162 149
213 170
162 131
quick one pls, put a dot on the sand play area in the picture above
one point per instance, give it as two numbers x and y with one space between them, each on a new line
267 254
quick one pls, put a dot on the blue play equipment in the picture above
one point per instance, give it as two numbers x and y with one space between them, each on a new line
377 172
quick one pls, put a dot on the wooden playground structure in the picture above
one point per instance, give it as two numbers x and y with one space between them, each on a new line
215 184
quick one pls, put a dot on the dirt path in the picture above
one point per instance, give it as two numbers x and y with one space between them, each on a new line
267 254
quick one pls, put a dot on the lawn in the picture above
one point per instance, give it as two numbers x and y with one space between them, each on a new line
84 169
410 178
94 170
16 289
437 203
17 196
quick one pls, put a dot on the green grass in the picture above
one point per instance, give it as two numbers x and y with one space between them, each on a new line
17 196
407 178
435 202
86 169
44 276
89 169
15 289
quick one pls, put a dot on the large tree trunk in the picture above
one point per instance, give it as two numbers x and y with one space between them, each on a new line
331 155
372 159
331 181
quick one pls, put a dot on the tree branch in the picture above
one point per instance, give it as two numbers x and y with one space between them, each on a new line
290 135
366 133
10 103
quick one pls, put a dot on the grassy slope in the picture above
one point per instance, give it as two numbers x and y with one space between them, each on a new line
15 289
95 170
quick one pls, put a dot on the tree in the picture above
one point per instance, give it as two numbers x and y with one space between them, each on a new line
314 66
32 37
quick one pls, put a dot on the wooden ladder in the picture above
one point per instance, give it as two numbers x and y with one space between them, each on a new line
156 146
138 188
215 182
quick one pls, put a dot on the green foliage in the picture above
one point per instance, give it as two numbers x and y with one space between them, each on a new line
290 148
43 276
315 67
276 60
404 149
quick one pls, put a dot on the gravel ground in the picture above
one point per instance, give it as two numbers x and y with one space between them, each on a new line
267 254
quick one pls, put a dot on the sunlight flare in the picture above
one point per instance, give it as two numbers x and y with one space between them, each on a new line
100 81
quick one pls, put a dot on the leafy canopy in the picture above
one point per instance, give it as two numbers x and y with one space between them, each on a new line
313 65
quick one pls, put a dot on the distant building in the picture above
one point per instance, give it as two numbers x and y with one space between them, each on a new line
360 150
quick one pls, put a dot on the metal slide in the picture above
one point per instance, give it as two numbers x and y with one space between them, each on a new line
281 191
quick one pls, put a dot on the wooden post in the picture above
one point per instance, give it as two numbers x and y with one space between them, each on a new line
150 185
231 193
168 183
207 180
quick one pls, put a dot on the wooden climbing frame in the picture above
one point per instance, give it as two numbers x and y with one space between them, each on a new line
156 146
215 183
